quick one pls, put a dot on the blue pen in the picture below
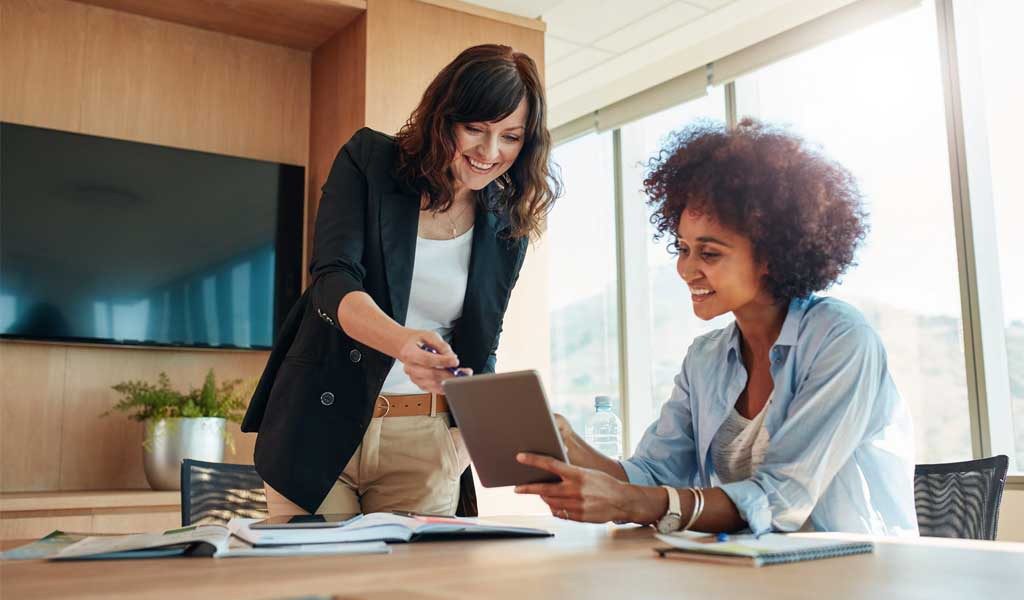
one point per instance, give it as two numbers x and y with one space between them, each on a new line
453 370
722 537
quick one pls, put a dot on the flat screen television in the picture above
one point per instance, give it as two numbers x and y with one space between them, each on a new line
117 242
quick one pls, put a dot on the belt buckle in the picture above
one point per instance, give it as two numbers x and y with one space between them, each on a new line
387 407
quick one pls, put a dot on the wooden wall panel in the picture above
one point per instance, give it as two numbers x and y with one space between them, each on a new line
196 89
41 75
114 460
86 69
408 42
337 107
52 434
98 71
31 404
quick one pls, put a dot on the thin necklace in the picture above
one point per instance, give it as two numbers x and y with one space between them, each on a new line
455 230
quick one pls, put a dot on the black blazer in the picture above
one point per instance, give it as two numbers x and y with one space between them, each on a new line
315 398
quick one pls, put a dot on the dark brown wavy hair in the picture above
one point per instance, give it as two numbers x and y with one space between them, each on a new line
802 212
482 85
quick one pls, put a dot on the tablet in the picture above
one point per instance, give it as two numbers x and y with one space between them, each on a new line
500 415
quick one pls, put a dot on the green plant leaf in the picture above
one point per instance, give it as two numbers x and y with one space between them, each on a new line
145 401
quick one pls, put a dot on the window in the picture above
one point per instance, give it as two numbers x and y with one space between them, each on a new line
583 282
874 101
665 324
1001 47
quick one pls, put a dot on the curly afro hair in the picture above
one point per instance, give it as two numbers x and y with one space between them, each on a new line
802 212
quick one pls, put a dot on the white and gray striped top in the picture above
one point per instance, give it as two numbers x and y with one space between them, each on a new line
739 446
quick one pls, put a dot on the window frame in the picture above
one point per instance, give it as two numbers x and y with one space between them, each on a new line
988 382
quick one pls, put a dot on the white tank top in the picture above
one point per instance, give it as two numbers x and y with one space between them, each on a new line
739 446
440 272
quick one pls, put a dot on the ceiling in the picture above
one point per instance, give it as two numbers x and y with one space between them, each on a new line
583 34
601 51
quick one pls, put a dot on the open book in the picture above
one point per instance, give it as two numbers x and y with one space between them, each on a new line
200 540
383 527
768 549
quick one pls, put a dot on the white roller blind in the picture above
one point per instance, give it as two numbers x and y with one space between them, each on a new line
574 129
808 35
675 91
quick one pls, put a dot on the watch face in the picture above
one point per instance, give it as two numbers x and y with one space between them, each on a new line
670 523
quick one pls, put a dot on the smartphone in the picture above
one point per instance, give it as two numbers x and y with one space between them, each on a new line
303 521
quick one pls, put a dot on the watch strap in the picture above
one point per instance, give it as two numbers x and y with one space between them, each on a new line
674 506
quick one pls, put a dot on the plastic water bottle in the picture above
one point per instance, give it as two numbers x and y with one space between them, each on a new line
604 429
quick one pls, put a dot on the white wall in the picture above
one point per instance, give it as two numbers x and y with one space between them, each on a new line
1011 517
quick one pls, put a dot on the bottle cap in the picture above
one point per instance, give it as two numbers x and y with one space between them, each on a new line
602 402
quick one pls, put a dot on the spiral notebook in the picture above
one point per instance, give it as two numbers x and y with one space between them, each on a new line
768 549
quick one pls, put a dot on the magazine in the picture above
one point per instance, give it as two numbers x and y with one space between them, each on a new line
199 540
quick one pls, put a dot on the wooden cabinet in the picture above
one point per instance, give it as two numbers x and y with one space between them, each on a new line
29 515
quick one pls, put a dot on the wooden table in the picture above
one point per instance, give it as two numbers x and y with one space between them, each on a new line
581 561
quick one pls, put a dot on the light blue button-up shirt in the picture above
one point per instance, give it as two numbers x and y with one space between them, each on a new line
841 449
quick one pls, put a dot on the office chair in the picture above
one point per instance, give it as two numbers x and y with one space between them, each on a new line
961 499
216 492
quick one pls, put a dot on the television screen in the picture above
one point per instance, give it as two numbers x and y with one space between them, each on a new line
111 241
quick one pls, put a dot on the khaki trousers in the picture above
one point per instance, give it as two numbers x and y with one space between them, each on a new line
403 463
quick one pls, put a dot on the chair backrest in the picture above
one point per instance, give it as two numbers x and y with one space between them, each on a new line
961 499
216 492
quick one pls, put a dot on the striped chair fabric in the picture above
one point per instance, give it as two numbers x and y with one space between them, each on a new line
216 492
961 499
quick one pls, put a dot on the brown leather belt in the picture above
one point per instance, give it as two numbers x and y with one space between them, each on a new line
409 405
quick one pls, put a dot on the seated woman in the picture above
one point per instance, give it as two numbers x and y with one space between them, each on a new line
787 419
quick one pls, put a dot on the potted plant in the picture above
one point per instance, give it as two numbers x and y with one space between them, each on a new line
180 425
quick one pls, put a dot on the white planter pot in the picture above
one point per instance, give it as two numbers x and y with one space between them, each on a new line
170 441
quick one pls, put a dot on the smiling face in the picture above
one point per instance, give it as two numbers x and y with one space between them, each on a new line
485 151
718 266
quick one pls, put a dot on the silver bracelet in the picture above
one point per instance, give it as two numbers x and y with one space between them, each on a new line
698 507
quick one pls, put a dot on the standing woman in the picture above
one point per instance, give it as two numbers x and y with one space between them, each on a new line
419 241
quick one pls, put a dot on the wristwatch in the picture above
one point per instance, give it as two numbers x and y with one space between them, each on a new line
673 519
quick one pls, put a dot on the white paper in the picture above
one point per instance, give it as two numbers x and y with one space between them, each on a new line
308 550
